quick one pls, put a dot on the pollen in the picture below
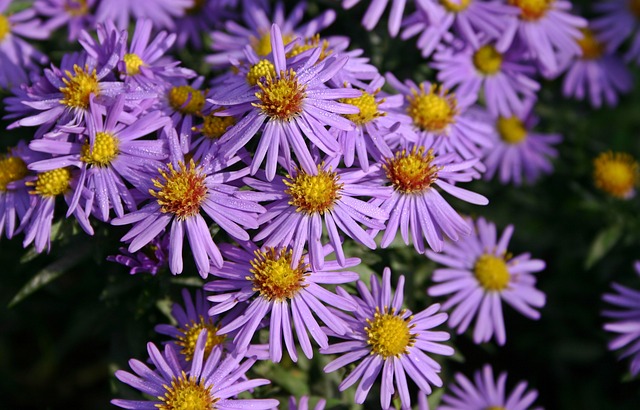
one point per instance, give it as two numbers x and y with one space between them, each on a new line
186 99
308 44
214 126
532 10
51 183
412 172
189 336
79 87
281 98
133 63
368 108
313 193
105 149
12 169
182 191
455 6
592 49
432 110
262 69
616 173
511 130
275 275
187 393
76 8
262 45
5 26
491 272
389 334
487 60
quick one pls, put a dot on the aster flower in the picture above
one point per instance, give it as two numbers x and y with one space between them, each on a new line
616 173
619 20
206 134
183 102
176 195
548 31
388 339
480 274
211 383
202 17
161 12
75 14
486 393
597 74
152 258
303 404
308 199
292 104
504 76
625 322
518 152
416 206
375 10
277 283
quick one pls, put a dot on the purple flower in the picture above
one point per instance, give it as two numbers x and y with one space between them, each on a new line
372 16
273 281
161 12
292 104
598 74
485 393
480 274
388 339
625 322
183 102
619 20
505 77
152 258
200 18
177 194
303 403
308 199
416 206
76 14
211 383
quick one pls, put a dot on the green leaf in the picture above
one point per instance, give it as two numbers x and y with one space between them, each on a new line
602 244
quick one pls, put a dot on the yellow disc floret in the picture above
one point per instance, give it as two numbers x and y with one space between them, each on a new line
455 6
491 272
12 169
308 44
214 126
182 191
5 26
495 408
275 275
592 49
51 183
189 337
79 87
76 8
511 130
262 45
262 69
313 193
432 110
105 149
487 60
368 108
132 63
411 172
616 173
532 10
281 98
389 334
187 393
186 99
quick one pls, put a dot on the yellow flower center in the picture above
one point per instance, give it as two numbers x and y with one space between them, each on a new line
487 60
79 87
51 183
389 334
186 99
215 126
495 408
5 26
491 271
262 45
634 6
367 105
133 63
313 193
308 44
182 191
532 10
76 8
262 69
433 110
12 169
511 130
187 393
455 6
592 49
411 172
198 5
105 149
616 173
282 98
273 276
189 337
